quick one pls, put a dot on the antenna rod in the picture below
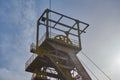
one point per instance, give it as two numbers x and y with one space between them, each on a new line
50 4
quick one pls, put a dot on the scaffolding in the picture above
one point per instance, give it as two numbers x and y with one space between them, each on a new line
57 43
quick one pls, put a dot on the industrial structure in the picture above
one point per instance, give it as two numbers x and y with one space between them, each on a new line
57 43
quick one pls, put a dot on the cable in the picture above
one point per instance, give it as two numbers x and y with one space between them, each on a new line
95 65
89 69
49 4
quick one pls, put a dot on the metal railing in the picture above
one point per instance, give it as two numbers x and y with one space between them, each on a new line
74 42
43 38
52 36
30 60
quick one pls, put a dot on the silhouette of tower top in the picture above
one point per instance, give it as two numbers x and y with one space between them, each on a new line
57 43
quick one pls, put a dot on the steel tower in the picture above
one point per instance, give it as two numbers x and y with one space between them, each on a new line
57 43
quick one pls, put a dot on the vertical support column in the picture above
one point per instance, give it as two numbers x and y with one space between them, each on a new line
37 35
47 24
79 40
80 69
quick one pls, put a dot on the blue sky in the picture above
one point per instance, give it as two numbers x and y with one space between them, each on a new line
18 24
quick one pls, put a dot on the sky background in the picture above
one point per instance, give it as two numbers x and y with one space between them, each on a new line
101 42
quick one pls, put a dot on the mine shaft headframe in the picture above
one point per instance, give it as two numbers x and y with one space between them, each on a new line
46 19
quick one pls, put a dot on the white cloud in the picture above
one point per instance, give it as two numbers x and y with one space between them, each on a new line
11 75
15 47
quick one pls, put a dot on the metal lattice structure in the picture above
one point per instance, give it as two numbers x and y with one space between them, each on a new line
54 55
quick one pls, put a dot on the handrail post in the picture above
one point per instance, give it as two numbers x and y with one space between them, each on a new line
47 24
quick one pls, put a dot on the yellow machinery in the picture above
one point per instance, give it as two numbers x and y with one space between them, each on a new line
54 55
